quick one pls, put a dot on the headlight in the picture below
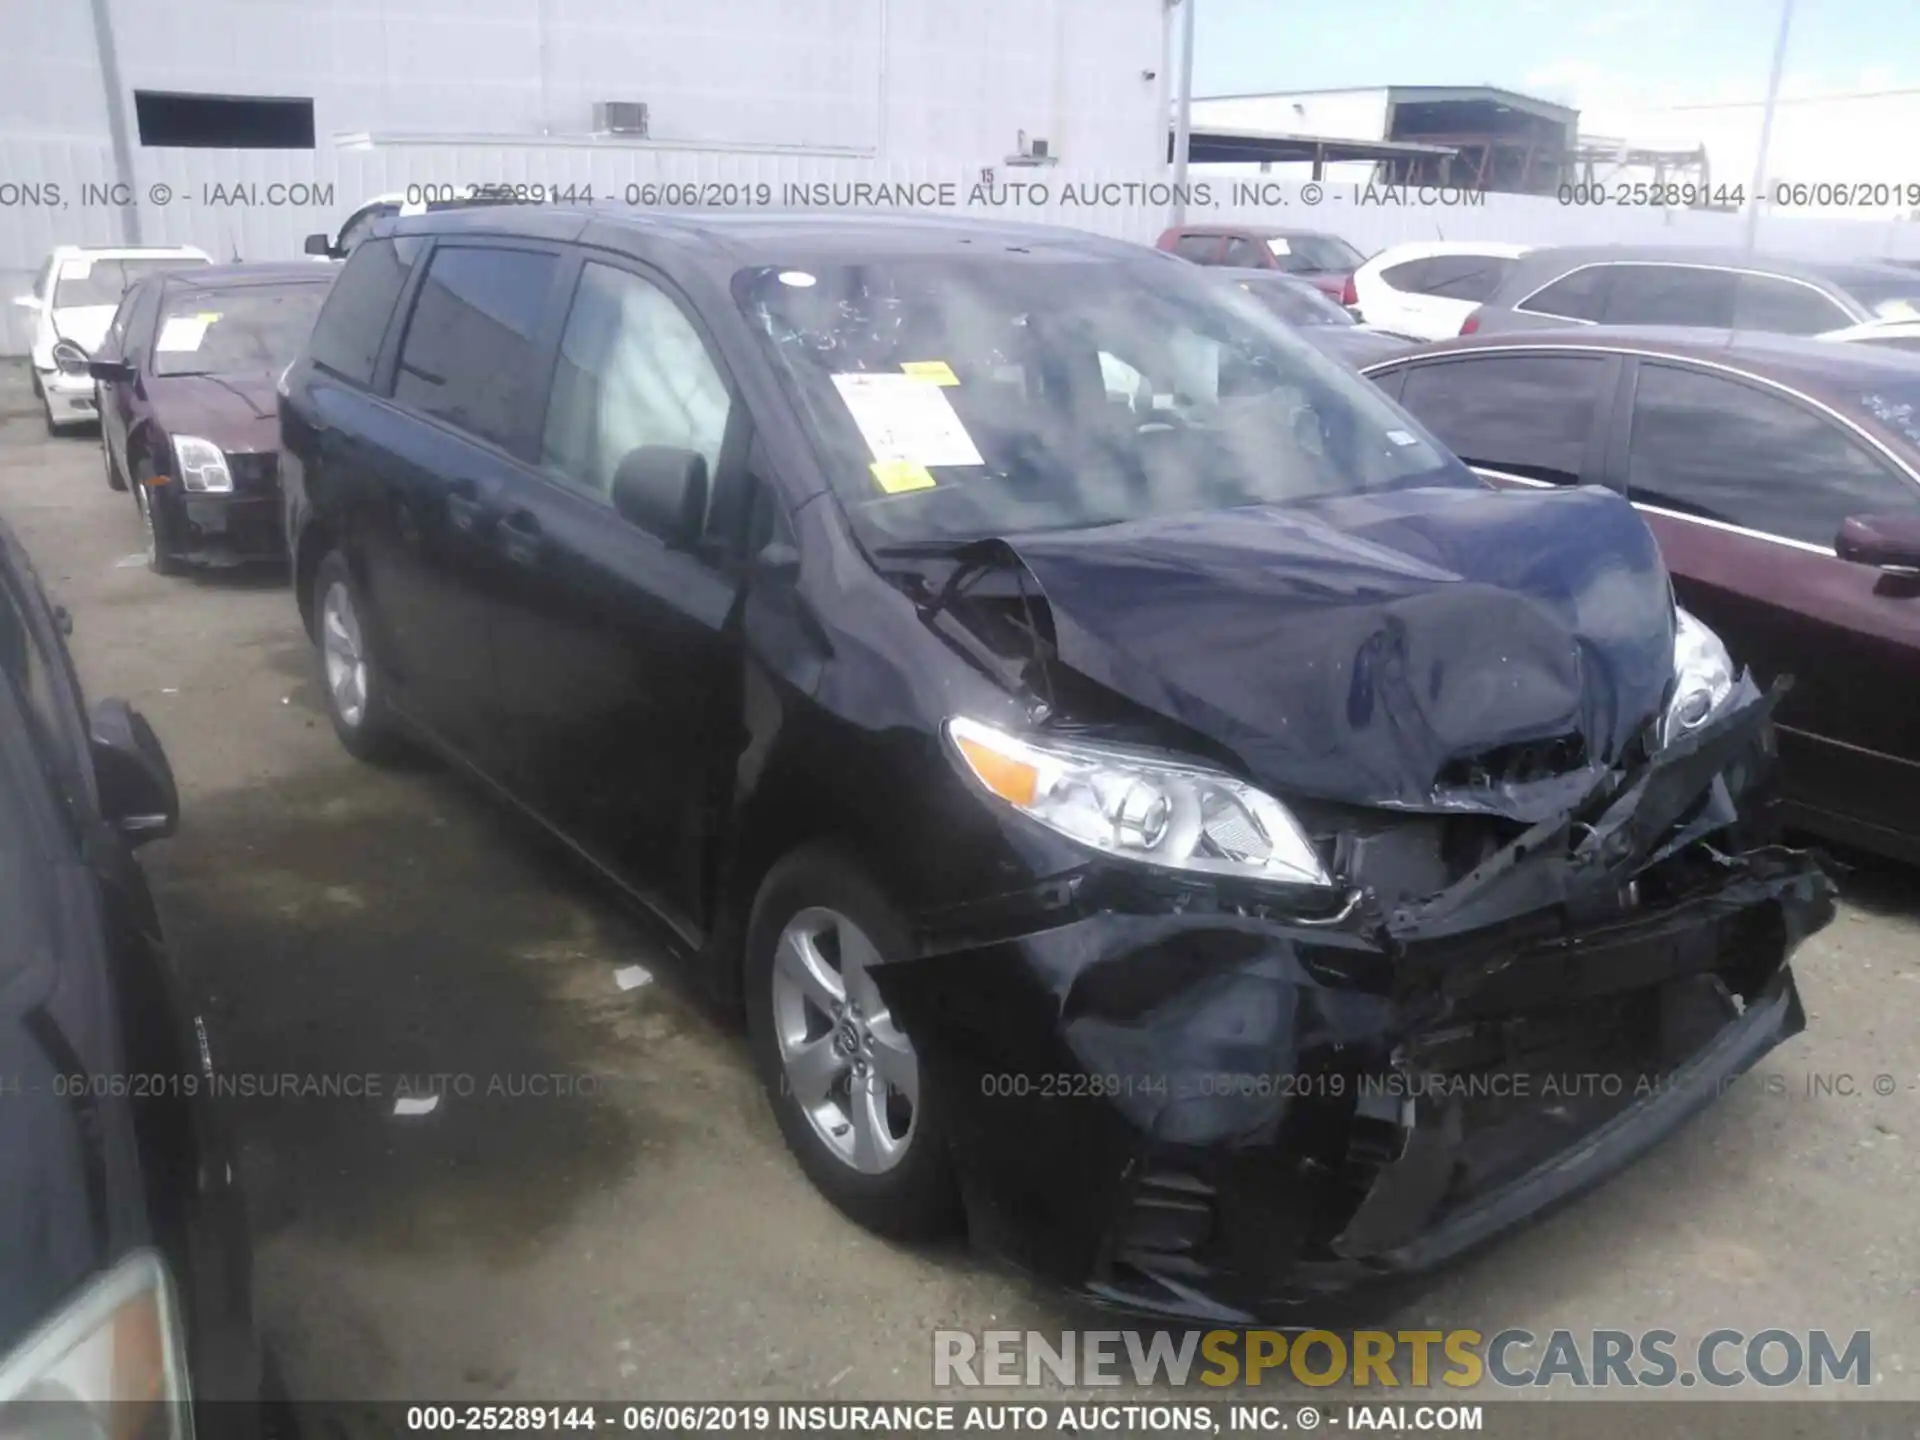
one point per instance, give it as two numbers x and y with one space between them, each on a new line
118 1343
1702 677
1138 805
70 358
202 465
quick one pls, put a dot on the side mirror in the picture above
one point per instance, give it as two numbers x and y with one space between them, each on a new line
1891 542
662 489
321 245
27 302
137 793
111 371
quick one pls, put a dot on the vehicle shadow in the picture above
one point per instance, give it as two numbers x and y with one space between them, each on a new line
1878 885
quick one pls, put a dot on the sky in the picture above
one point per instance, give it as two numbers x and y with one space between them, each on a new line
1626 64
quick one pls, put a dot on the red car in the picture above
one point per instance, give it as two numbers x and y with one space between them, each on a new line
1782 478
185 381
1327 261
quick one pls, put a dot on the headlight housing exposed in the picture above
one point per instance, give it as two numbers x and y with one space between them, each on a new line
1702 677
119 1342
69 358
1140 805
202 464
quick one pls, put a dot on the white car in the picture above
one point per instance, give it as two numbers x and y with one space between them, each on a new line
412 201
73 300
1427 289
1893 334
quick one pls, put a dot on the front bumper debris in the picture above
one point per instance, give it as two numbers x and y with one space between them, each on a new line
1187 1102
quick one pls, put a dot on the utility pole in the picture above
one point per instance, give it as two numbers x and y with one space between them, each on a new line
1766 124
1183 114
109 61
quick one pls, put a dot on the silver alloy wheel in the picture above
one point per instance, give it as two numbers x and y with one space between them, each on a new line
344 655
850 1067
145 502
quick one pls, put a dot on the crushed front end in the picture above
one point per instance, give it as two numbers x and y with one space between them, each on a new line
1182 1101
1192 1097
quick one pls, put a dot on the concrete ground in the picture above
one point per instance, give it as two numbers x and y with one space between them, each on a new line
642 1233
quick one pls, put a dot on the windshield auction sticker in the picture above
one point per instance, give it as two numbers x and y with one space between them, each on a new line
904 417
184 332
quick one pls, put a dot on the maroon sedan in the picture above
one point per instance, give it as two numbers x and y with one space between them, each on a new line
1325 261
188 416
1782 477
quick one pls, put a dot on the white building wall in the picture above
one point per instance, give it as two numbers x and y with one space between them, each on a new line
469 91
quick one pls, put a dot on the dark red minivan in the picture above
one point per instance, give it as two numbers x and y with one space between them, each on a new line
1782 478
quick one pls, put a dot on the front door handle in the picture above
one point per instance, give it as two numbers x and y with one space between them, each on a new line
464 510
521 538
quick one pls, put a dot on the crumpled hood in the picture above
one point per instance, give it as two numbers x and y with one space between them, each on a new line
1358 648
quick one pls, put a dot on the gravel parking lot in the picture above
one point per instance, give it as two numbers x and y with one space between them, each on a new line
600 1206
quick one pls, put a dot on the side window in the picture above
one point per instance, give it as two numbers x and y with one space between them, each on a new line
1245 253
1201 249
346 337
1528 415
1708 446
632 371
1670 295
40 680
1581 295
1786 307
468 354
1464 277
1408 277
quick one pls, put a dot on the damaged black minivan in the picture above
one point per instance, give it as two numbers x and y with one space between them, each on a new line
1156 806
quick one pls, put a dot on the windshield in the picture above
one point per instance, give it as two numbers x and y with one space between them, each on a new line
1894 400
233 332
1295 301
1301 254
958 399
1893 298
102 282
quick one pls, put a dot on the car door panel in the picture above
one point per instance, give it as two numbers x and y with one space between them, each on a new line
438 461
1848 634
613 648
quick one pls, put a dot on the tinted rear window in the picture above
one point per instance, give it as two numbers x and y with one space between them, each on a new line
346 337
468 355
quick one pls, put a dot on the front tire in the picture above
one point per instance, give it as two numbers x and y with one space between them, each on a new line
159 560
350 683
842 1077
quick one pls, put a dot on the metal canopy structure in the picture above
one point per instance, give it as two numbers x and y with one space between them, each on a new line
1220 145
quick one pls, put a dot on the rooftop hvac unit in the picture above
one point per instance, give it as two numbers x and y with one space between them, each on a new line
1032 151
619 117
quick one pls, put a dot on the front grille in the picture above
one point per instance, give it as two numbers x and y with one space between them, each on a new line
1526 763
255 473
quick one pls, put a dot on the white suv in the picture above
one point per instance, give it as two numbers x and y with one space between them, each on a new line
1428 288
73 300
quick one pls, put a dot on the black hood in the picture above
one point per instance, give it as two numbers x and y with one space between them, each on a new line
1406 649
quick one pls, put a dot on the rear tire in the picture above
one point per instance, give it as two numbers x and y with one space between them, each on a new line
870 1138
115 480
350 683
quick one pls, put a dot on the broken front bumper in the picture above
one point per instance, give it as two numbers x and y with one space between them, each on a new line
1216 1113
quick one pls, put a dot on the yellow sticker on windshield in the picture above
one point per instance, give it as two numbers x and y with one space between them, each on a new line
938 371
896 477
207 317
